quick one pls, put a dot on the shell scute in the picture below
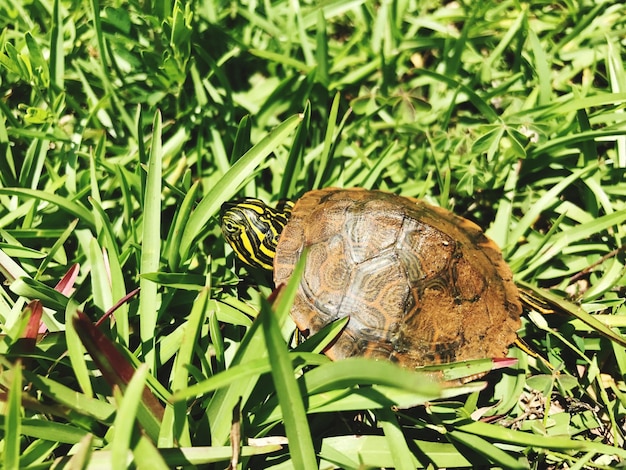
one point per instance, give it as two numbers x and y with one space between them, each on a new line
326 275
421 285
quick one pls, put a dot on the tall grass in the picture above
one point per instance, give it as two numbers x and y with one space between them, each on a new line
125 126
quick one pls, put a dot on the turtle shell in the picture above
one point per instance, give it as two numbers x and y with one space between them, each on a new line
420 284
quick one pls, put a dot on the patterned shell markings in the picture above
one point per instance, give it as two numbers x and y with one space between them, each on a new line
420 284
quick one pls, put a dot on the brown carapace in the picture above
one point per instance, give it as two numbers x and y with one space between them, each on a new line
420 284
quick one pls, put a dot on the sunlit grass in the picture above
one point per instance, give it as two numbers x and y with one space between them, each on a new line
123 130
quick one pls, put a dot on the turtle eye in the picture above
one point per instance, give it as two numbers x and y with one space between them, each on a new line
230 229
228 226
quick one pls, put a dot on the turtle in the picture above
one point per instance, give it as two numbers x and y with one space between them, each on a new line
420 285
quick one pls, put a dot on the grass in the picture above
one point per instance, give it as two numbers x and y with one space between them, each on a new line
125 126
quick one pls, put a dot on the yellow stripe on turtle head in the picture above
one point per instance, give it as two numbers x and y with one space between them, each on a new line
252 229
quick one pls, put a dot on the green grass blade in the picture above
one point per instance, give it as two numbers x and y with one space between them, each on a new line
400 453
546 200
180 375
358 370
182 216
576 312
82 454
112 274
294 415
373 451
566 238
294 160
281 59
322 73
499 230
242 139
125 419
151 246
31 289
52 431
503 434
481 105
229 183
329 139
95 11
74 208
13 421
515 29
100 277
76 351
251 352
102 411
231 376
148 457
542 67
57 247
488 450
57 56
617 77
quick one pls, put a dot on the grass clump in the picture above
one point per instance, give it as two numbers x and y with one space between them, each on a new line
124 127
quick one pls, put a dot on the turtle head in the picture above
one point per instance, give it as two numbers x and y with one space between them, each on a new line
252 229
